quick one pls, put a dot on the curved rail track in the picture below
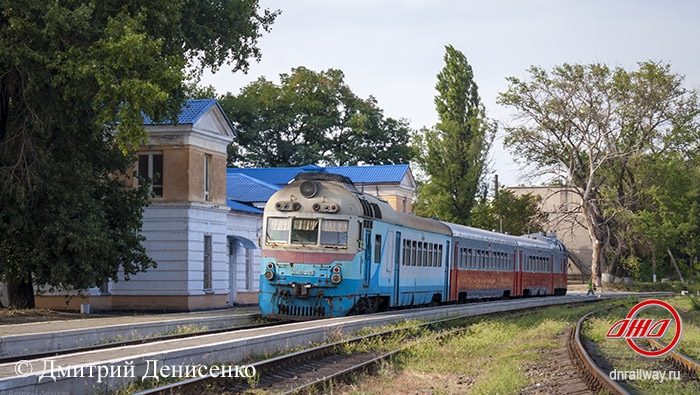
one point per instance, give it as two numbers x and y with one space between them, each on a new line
690 365
599 380
596 379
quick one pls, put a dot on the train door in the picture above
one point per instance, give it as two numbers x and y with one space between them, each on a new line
521 291
515 291
551 275
397 265
454 272
368 257
446 282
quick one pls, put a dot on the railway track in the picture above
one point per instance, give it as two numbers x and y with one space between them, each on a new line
150 339
319 367
682 361
599 380
595 378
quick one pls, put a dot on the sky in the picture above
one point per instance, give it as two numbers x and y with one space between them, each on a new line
393 50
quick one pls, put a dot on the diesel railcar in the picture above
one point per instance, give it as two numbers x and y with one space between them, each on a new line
330 250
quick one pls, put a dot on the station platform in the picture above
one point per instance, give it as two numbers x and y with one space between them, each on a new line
54 336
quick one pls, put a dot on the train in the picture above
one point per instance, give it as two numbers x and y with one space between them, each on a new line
330 250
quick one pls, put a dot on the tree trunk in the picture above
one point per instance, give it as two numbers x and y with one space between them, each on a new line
597 242
20 293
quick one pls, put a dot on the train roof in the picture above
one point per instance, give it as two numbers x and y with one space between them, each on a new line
467 232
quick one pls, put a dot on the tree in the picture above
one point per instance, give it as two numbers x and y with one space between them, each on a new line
312 117
75 79
587 122
509 213
662 213
454 152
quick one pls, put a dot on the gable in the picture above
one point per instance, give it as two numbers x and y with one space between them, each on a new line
214 121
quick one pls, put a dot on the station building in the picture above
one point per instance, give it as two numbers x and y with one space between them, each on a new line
204 221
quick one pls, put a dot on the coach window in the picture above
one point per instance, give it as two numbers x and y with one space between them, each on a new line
440 255
405 252
430 255
304 231
426 257
377 248
334 232
414 252
277 230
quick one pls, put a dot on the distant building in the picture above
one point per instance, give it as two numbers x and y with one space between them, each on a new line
566 219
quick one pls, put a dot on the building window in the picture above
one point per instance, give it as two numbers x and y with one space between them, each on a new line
207 171
151 168
207 263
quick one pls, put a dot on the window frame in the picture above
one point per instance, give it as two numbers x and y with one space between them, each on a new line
150 169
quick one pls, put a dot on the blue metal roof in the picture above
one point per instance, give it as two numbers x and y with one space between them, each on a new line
379 174
191 112
243 188
243 207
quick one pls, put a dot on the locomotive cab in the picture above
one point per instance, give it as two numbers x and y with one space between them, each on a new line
310 248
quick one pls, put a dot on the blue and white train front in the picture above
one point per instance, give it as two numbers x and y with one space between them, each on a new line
310 250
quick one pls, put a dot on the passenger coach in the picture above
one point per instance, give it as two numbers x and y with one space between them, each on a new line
330 250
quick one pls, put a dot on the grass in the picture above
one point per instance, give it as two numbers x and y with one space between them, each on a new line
490 357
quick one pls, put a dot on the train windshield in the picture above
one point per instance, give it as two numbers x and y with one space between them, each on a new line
304 231
334 232
277 230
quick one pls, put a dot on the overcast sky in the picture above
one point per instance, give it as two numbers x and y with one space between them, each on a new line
393 50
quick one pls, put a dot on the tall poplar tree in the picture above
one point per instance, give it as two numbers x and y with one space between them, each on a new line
454 152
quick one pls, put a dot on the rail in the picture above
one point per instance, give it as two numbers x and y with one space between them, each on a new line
594 376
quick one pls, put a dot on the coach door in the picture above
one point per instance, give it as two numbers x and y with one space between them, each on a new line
397 266
368 257
446 282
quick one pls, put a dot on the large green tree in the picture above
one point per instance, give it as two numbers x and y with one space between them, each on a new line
75 78
510 213
590 124
312 117
454 152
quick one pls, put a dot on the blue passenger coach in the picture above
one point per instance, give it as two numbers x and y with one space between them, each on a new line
330 250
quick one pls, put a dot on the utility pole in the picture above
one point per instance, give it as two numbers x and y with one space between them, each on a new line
495 190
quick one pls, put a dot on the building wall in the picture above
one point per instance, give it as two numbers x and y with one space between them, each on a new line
244 226
555 202
183 173
399 197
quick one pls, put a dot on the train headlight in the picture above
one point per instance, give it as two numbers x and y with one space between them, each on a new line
336 278
270 271
309 189
336 269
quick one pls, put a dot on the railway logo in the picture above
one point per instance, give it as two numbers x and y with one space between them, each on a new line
632 328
